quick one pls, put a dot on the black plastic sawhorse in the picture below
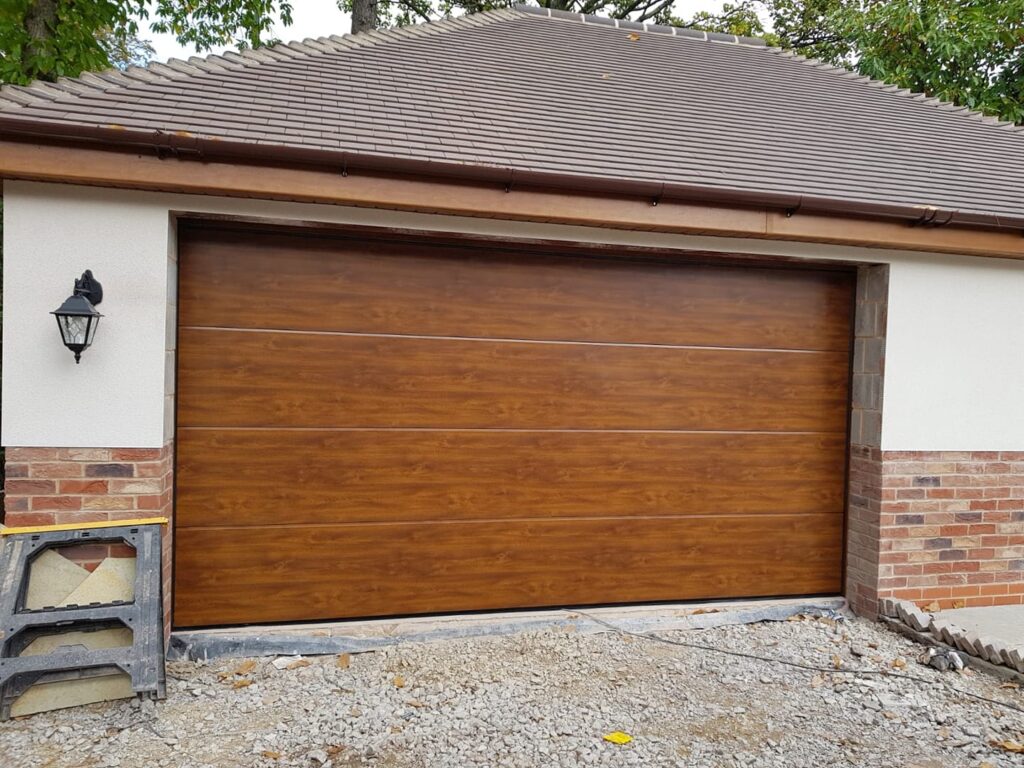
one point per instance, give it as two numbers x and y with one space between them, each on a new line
143 660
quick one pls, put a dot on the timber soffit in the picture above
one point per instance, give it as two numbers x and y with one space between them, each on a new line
530 96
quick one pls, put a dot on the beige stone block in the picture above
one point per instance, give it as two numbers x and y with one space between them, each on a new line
46 697
86 454
137 485
93 641
107 502
113 579
51 578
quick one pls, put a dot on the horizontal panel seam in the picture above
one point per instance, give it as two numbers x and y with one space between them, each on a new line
513 341
503 520
505 429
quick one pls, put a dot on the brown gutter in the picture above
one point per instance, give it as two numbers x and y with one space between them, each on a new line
188 146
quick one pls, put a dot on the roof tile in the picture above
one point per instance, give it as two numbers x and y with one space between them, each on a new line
541 91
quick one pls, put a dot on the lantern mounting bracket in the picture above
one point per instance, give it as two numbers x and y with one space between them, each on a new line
90 287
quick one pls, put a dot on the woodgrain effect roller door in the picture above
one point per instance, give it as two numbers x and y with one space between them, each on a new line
371 427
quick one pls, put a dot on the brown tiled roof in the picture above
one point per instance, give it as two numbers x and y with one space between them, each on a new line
525 93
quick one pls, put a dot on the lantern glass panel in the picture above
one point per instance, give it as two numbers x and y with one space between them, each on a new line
76 329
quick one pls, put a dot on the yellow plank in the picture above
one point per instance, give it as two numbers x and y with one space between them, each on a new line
83 526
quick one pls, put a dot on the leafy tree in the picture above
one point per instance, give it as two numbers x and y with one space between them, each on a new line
968 52
47 39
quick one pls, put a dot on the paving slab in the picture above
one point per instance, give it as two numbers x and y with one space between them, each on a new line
51 578
113 579
1004 623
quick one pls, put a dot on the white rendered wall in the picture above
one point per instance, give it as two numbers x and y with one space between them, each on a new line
114 397
954 377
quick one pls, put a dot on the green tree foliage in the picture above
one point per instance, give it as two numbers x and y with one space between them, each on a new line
47 39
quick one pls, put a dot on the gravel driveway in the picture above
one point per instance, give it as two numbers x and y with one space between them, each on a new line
547 699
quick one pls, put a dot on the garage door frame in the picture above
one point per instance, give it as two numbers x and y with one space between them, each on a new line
539 247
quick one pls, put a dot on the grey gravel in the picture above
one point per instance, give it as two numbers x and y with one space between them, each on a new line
546 699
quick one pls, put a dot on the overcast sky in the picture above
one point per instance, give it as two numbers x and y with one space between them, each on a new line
319 18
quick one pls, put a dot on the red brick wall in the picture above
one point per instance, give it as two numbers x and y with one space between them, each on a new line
952 527
45 486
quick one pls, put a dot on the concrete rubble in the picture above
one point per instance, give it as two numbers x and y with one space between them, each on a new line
547 699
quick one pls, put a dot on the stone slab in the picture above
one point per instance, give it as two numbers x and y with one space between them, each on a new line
46 697
101 638
51 578
113 579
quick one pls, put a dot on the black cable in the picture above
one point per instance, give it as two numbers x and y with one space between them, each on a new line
797 664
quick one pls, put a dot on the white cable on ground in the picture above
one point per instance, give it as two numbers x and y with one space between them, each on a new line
797 664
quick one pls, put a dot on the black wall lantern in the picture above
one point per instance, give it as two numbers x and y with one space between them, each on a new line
77 318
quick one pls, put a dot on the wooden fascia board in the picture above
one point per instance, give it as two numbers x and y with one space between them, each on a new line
89 166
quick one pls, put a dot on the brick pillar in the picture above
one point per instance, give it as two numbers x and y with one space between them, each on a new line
865 561
943 527
47 486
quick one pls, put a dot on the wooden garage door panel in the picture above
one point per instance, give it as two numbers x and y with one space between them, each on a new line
377 428
266 379
324 284
282 573
234 477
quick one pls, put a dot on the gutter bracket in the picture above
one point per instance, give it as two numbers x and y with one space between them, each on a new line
511 181
933 217
165 151
792 210
657 198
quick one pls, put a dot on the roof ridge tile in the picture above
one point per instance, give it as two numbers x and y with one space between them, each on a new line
113 76
74 85
44 90
19 94
167 72
669 30
249 57
182 66
142 74
93 80
207 64
218 58
318 44
296 48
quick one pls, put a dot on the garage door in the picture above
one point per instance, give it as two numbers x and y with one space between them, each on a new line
379 427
